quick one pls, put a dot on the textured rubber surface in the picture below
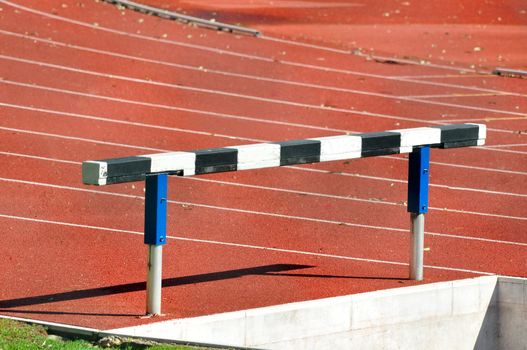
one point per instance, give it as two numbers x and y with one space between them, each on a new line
89 81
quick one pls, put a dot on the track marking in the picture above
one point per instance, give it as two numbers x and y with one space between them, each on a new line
169 107
252 212
74 138
12 154
353 199
232 53
508 145
126 122
503 150
453 95
378 178
374 178
511 172
240 245
455 105
163 150
167 128
422 82
445 76
221 92
349 52
481 119
387 116
244 211
245 76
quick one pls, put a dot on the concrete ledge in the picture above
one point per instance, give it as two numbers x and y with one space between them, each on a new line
485 313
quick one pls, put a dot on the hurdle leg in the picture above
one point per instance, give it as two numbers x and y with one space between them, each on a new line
155 238
418 180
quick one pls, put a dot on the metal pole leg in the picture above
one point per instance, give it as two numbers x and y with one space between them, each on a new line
417 246
418 179
155 237
153 283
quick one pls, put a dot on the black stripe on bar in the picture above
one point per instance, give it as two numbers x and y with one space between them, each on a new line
459 144
299 152
216 160
128 166
125 178
459 132
380 143
380 152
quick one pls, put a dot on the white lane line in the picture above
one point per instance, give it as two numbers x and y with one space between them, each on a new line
240 245
169 107
445 76
424 97
295 104
167 128
502 150
20 155
127 122
422 82
353 199
232 53
481 109
210 91
511 172
253 212
200 69
224 73
374 178
82 139
508 145
379 178
349 52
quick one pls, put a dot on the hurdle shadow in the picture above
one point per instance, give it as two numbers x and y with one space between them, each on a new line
5 305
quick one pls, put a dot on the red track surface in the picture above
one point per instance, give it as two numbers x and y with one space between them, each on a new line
90 81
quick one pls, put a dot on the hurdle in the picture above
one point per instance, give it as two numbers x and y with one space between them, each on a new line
154 169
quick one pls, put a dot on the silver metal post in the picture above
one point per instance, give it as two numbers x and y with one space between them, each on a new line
417 246
153 283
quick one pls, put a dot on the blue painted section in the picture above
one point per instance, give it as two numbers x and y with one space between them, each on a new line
418 179
156 209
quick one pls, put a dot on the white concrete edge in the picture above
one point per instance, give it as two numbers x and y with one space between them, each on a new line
231 328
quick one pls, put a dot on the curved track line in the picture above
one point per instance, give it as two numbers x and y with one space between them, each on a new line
225 93
408 80
378 178
512 172
375 178
510 217
240 245
253 212
169 107
127 122
416 99
237 54
350 52
210 91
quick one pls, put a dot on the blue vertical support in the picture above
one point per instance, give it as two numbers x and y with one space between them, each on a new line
418 181
155 237
156 209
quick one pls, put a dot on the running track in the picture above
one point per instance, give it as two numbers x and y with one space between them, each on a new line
86 80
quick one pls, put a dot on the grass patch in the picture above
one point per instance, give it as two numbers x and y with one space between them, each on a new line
21 336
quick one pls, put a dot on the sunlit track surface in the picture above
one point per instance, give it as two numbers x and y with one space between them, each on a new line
87 80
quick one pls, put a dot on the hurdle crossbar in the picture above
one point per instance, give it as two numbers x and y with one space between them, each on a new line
154 168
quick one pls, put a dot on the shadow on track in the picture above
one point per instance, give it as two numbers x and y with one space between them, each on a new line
141 286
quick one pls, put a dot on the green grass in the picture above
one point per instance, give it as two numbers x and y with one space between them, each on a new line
21 336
